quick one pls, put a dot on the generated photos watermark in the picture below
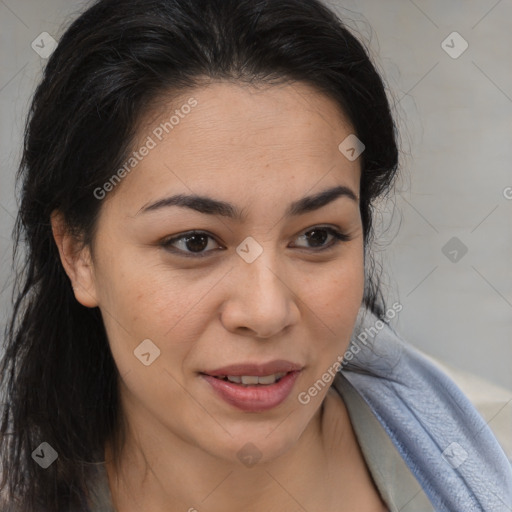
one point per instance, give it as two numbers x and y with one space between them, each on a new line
327 377
151 142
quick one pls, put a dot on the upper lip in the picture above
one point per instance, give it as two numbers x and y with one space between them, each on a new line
257 370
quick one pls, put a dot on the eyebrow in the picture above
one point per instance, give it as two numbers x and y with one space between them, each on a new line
210 206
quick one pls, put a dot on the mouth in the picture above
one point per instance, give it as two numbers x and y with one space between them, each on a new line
253 391
252 380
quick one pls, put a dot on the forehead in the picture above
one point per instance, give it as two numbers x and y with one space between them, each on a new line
228 111
225 133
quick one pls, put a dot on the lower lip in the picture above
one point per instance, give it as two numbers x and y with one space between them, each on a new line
254 398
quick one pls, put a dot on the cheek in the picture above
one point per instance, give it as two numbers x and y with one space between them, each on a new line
341 288
137 290
334 299
142 300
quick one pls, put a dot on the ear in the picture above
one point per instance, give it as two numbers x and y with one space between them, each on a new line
76 260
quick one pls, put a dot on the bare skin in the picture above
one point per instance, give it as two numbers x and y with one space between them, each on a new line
334 478
259 149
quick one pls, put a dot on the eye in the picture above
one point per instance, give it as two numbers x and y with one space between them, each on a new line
317 235
194 243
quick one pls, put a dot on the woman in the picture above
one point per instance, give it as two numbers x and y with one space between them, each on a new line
254 370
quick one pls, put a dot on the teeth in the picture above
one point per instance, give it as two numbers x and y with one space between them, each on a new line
246 379
267 379
252 380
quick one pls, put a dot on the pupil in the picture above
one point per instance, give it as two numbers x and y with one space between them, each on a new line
322 238
194 247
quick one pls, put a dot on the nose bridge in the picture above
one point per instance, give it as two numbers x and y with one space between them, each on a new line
262 279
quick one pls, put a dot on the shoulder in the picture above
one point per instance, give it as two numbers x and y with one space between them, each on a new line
443 438
100 498
493 402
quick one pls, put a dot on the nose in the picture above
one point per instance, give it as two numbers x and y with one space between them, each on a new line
261 302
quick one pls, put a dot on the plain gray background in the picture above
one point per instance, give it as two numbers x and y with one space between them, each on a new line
455 117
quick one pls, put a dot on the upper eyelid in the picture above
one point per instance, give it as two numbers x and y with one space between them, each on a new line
203 232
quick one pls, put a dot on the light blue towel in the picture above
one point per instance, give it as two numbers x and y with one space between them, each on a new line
438 432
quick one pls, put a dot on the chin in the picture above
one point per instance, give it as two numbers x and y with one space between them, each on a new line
257 445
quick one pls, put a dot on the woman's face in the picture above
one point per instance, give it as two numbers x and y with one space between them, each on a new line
272 285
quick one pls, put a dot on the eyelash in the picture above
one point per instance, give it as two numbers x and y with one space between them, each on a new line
166 243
